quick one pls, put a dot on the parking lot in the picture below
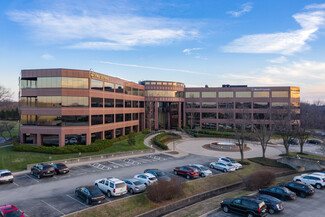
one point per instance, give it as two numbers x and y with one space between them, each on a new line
54 196
301 207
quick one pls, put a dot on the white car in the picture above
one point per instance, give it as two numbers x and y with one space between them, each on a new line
146 178
319 174
228 160
6 176
222 166
311 179
112 186
203 170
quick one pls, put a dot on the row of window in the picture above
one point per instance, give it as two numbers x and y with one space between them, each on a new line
54 101
238 94
242 116
161 93
163 83
54 82
239 105
117 103
77 120
117 88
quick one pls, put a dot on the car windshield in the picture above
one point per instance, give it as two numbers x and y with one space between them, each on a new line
61 166
137 183
15 213
229 165
204 168
286 190
120 185
6 174
232 160
160 173
152 178
95 191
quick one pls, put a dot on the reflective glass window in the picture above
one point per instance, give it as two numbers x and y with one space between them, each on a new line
109 134
192 94
164 83
280 94
206 115
279 104
128 117
159 83
109 103
243 105
96 136
192 105
119 118
192 119
28 83
243 94
47 120
119 103
141 104
68 82
209 105
109 87
28 119
96 85
109 118
261 94
209 126
119 88
118 132
96 102
127 103
135 91
261 105
96 119
226 105
135 116
75 120
261 116
295 92
245 116
225 94
225 115
295 104
128 90
209 94
75 139
141 92
147 83
135 104
74 101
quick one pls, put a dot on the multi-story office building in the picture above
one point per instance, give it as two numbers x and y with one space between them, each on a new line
63 106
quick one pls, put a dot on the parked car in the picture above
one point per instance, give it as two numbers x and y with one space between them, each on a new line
273 205
6 176
188 172
111 186
222 166
299 188
146 178
314 180
90 194
228 160
321 174
314 141
135 186
247 206
66 141
73 141
281 193
160 175
203 170
293 141
60 168
42 170
10 211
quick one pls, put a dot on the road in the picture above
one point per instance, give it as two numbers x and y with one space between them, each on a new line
301 207
54 196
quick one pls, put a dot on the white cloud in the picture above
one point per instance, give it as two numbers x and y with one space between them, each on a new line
155 68
280 59
103 31
315 6
283 42
189 51
47 57
245 8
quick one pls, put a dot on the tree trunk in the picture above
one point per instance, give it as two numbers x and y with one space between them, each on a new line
301 148
241 148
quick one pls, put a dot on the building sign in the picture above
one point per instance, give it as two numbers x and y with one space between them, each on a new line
260 89
98 76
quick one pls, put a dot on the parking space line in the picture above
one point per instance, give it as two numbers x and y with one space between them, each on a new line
116 164
31 178
55 177
15 183
76 200
52 207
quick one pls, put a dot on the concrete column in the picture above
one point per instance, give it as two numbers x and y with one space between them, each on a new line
103 135
39 140
123 131
179 114
88 138
114 133
156 114
61 140
168 120
184 115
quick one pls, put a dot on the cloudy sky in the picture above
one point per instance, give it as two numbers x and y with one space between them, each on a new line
198 42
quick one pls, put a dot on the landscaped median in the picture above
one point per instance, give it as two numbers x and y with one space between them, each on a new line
18 160
194 191
163 139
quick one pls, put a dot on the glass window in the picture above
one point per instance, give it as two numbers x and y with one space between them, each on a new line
96 119
96 102
206 115
75 139
109 103
209 105
50 140
135 116
295 92
135 104
295 104
47 120
192 94
141 92
193 119
161 93
209 94
28 83
146 83
119 103
109 134
192 105
118 132
226 115
135 91
79 120
128 90
243 94
280 94
109 87
153 83
68 82
226 94
127 103
164 83
159 83
261 116
226 105
119 118
128 117
279 104
261 94
28 119
119 88
261 105
209 126
170 83
74 101
109 118
96 136
243 105
96 85
141 104
245 116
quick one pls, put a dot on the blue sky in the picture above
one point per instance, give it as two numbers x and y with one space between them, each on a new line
198 42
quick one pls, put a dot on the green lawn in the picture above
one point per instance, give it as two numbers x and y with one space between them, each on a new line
293 154
17 161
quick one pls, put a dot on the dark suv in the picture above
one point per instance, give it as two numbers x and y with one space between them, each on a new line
301 189
42 170
160 175
248 206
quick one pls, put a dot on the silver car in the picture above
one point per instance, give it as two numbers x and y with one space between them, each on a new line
203 170
135 186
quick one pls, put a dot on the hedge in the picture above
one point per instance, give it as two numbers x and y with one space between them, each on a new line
96 146
161 139
209 133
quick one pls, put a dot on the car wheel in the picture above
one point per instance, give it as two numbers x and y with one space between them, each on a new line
96 185
31 172
303 194
188 176
202 174
225 209
11 181
318 186
250 215
211 166
175 172
39 176
131 191
298 180
271 211
88 201
109 194
224 170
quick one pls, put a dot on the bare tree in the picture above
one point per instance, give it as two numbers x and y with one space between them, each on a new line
302 135
263 132
5 94
6 126
242 132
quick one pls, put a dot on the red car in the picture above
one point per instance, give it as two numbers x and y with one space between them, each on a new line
188 172
10 210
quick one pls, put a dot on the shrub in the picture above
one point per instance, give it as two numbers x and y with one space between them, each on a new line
162 139
145 131
165 190
259 179
131 138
